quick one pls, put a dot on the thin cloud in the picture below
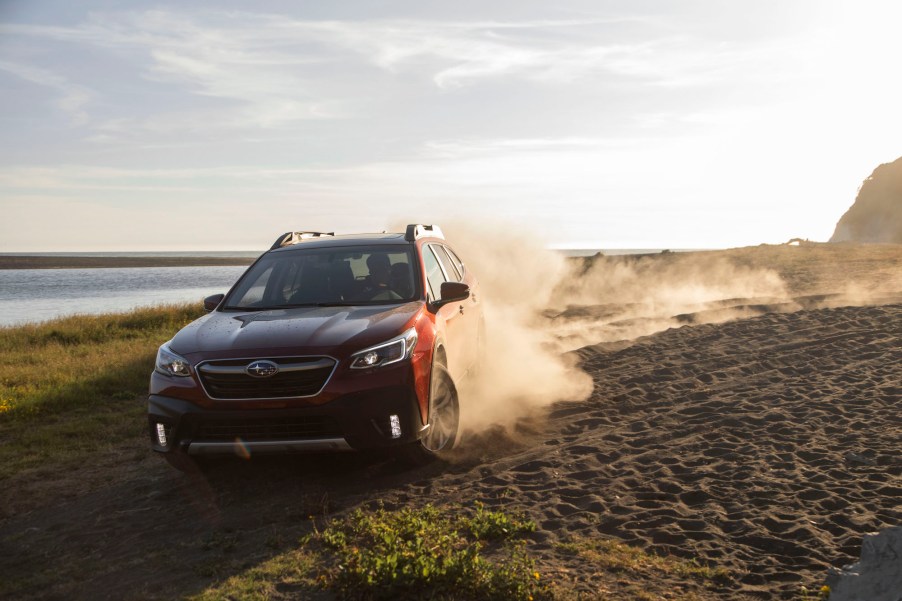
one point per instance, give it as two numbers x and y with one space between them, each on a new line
266 80
72 98
541 52
216 74
280 66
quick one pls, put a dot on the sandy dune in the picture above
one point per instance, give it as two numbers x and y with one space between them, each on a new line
767 445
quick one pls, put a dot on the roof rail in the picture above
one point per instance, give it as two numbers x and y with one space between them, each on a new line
289 238
419 230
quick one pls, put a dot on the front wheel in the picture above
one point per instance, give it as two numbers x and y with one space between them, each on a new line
444 420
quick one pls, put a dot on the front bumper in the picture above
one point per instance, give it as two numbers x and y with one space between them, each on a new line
356 421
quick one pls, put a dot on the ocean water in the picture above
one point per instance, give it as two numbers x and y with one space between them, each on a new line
32 295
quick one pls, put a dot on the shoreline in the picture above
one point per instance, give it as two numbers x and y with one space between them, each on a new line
775 252
54 262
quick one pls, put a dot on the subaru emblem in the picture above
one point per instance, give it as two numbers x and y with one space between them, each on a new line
262 369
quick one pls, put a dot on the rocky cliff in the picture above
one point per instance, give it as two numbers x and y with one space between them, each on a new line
876 215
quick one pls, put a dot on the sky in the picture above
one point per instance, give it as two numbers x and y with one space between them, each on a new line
591 123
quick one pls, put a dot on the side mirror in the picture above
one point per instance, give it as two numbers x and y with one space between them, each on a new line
211 302
452 292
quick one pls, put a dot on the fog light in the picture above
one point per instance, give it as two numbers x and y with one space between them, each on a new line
395 426
161 434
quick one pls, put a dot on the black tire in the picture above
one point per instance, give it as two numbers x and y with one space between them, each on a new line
444 420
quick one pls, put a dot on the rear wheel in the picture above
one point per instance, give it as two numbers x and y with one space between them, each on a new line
444 420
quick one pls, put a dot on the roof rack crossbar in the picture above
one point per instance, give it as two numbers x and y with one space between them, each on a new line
419 230
289 238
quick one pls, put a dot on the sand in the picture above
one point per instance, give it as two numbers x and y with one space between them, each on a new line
761 434
764 439
768 446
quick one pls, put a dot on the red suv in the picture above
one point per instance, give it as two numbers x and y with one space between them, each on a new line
325 343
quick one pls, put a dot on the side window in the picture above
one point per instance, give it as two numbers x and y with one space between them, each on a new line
450 268
434 275
457 262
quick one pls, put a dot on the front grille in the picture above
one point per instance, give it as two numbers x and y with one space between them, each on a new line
297 377
268 428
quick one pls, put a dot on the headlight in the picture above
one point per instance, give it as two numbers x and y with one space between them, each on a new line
396 349
170 364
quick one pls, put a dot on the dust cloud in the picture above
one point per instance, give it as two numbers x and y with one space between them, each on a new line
523 369
539 305
605 299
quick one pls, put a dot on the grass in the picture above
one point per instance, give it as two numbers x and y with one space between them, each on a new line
286 576
616 556
426 553
644 576
431 553
74 386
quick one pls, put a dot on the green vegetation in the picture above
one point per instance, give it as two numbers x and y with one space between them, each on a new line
426 553
285 576
74 386
642 576
430 553
820 594
614 555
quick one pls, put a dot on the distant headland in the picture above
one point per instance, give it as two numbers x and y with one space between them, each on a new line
876 215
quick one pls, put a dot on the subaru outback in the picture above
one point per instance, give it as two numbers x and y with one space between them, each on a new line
325 343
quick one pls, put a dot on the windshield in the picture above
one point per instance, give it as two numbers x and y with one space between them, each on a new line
350 275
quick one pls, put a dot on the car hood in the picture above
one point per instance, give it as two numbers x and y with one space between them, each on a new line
302 329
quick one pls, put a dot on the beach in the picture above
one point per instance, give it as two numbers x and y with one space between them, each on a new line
755 432
767 445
